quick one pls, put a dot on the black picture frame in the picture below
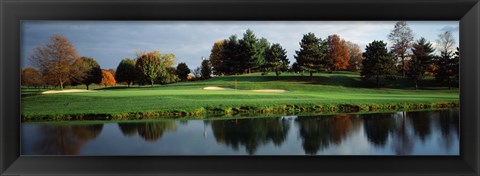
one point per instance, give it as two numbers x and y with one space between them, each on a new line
13 11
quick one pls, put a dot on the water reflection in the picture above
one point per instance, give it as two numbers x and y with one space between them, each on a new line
250 133
150 131
319 132
377 128
65 140
449 126
401 133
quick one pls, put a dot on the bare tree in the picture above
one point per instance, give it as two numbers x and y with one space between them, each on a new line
197 72
401 38
55 59
356 58
446 42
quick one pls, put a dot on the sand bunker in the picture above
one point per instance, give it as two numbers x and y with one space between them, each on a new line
214 88
67 91
270 90
259 90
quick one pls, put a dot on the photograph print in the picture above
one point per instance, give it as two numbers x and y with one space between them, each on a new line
222 88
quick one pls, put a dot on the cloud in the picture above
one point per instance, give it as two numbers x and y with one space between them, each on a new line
450 29
110 41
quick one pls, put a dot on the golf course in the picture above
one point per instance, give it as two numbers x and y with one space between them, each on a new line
238 96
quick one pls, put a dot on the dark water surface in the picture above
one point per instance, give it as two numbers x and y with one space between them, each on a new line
400 133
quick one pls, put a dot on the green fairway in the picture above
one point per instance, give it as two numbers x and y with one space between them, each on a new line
340 91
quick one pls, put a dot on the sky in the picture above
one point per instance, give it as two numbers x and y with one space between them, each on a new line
111 41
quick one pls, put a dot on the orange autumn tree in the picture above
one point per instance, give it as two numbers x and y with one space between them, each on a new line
108 79
31 77
55 59
338 53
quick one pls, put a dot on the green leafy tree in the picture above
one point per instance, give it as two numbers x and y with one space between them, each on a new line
126 71
148 66
89 71
216 57
206 69
422 58
170 76
295 68
401 37
312 56
378 61
166 61
276 59
182 71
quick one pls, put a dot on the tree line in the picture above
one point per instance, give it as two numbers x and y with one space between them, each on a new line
59 65
406 58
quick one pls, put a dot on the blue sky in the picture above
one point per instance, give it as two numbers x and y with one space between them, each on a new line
111 41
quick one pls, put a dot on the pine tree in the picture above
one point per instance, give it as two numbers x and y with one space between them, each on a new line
249 50
378 61
421 60
276 59
447 64
231 56
312 56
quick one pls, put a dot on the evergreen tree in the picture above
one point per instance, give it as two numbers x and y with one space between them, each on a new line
250 51
312 56
447 63
378 61
263 46
421 60
276 59
232 62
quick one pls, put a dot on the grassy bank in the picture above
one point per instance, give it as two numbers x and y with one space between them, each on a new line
325 93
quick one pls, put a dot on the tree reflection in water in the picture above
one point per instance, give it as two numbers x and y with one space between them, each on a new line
449 127
421 122
150 131
406 127
401 133
318 132
65 140
402 139
377 128
250 133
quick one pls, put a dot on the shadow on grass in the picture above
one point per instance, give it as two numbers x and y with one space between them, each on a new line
339 78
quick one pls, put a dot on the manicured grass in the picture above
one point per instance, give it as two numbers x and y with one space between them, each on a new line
325 92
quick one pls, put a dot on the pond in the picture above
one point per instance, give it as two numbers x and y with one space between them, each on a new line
400 133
